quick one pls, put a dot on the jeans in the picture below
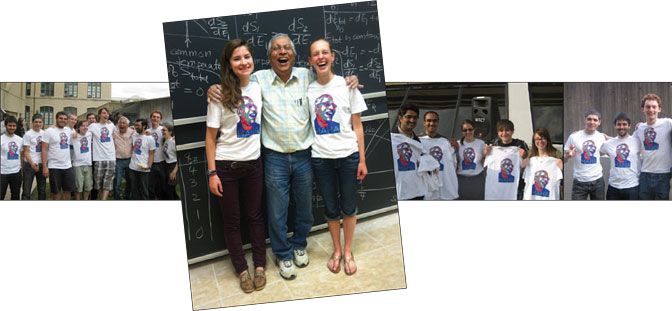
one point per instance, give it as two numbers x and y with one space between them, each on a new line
285 174
139 185
334 176
28 174
654 186
121 172
593 189
241 190
623 194
14 183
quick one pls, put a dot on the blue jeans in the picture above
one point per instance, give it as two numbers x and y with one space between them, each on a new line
593 189
623 194
334 176
654 186
284 172
121 173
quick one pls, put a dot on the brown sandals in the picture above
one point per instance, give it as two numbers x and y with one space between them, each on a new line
335 268
346 265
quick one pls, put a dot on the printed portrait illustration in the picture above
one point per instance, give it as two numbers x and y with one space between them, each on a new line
622 153
247 113
64 141
13 152
325 108
437 153
588 155
650 139
137 146
405 153
104 134
84 145
541 179
469 156
505 170
38 147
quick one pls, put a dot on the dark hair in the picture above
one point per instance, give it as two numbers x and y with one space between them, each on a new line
428 112
169 127
143 122
37 116
61 113
505 123
550 150
593 111
406 107
231 92
11 119
78 124
101 110
467 121
652 97
91 114
622 116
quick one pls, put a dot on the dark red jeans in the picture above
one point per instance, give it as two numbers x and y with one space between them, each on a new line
241 189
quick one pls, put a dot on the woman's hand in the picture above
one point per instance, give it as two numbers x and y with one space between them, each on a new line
487 149
361 171
173 175
526 161
215 185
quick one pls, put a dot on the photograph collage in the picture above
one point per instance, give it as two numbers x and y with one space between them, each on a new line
245 155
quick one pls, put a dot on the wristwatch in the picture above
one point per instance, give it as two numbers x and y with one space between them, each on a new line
212 172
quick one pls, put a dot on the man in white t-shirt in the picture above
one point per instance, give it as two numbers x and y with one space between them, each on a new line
405 171
142 159
158 180
32 155
56 164
10 161
656 151
584 148
623 152
104 156
440 148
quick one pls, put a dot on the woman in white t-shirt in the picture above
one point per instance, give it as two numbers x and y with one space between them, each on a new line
470 173
170 154
543 169
235 169
338 150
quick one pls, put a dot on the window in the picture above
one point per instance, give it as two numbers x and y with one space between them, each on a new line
89 110
93 90
28 115
28 88
70 110
70 89
47 89
547 101
47 115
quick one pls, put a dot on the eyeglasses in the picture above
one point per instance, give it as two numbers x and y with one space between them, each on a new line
468 130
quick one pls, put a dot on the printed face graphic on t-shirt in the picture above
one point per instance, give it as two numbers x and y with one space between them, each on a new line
64 140
156 138
622 153
137 146
38 147
505 170
588 155
468 156
650 139
247 113
325 108
405 153
13 152
104 135
84 145
437 153
540 181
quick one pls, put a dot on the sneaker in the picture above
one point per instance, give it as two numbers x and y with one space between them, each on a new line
246 282
259 279
301 258
287 270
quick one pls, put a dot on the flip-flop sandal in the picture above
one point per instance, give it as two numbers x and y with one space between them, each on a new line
337 267
346 265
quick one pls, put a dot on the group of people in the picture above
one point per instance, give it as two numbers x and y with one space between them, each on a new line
279 128
435 167
90 158
640 164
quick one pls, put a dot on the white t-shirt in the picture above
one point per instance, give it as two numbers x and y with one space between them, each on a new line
239 129
33 140
11 154
656 149
58 154
470 155
501 182
157 136
142 144
169 150
406 154
587 159
441 150
81 150
542 179
331 108
103 142
624 158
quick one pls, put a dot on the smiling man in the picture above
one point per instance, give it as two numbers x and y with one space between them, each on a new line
56 164
623 152
584 147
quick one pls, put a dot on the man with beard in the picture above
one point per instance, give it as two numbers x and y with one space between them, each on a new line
623 152
584 147
56 164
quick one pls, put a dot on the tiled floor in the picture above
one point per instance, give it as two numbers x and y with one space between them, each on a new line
377 251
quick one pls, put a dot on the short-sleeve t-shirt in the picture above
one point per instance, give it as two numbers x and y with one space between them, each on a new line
624 158
33 140
656 148
587 165
81 150
469 156
441 150
11 154
331 108
169 150
542 176
239 129
58 154
406 154
501 182
157 136
142 144
103 142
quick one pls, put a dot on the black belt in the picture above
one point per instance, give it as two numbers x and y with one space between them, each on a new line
252 164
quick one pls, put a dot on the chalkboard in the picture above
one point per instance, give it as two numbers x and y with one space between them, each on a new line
193 49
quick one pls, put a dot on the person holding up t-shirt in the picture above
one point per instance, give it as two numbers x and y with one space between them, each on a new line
470 173
623 152
543 170
32 154
104 156
656 151
10 166
141 161
584 146
440 148
56 158
505 138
